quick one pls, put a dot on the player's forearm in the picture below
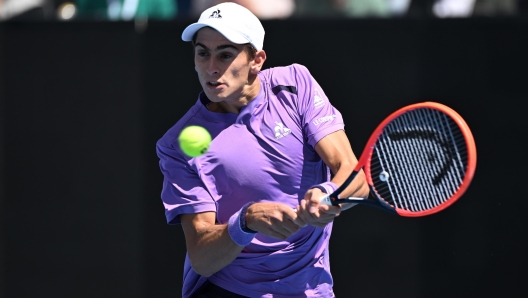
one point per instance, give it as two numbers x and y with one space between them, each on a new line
358 187
337 154
212 250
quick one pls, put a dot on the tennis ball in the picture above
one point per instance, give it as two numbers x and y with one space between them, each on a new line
194 140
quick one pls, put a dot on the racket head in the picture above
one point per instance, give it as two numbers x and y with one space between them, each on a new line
420 159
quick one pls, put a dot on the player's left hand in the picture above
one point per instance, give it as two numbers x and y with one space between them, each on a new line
313 213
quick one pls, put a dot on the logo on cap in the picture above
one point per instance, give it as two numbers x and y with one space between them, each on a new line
216 14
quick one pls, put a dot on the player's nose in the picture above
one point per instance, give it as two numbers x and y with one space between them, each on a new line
212 68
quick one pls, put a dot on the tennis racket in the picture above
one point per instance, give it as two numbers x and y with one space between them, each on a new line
418 161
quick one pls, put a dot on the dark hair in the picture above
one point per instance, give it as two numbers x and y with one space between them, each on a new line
248 48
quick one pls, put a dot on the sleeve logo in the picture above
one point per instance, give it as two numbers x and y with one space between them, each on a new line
324 119
318 99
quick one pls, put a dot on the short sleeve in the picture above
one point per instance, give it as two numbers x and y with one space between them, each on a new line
318 117
183 191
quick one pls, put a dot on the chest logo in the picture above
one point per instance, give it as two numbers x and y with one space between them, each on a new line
281 131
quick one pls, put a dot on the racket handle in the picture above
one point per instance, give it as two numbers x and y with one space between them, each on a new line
327 201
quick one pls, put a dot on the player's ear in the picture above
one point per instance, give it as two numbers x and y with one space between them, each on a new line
256 64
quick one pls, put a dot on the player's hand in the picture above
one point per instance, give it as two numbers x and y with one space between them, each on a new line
273 219
315 214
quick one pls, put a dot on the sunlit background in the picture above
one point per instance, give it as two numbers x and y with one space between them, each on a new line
269 9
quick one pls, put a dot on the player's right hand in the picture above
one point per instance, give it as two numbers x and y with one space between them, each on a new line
273 219
313 213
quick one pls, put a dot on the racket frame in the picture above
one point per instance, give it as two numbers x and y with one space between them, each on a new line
364 163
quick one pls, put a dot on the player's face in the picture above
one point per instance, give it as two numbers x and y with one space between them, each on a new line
223 68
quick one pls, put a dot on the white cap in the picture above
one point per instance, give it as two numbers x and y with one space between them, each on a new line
233 21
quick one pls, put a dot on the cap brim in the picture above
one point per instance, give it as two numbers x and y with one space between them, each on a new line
231 34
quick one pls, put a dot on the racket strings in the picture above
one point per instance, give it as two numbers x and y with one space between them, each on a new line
419 160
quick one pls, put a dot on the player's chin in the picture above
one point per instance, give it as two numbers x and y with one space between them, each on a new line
215 97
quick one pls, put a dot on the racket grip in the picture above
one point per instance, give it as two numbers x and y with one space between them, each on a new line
351 203
323 200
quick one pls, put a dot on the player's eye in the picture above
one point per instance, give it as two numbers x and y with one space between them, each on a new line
226 56
201 53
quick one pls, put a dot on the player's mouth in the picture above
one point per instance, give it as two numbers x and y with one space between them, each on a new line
214 84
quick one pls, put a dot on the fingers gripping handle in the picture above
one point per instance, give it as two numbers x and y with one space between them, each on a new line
323 200
351 201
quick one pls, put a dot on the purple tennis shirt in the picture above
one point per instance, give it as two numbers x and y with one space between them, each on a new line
263 154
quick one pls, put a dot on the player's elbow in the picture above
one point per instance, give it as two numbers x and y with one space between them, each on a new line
201 267
204 273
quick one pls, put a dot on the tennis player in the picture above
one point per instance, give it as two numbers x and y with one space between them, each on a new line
249 206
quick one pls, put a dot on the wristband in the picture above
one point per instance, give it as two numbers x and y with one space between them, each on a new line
243 223
237 229
326 187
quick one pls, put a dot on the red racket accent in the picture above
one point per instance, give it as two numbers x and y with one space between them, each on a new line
418 161
446 140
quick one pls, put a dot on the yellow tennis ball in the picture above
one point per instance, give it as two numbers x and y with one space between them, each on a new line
194 140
